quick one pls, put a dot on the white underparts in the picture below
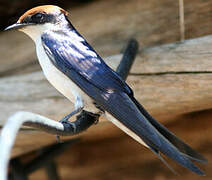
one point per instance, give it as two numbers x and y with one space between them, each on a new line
62 83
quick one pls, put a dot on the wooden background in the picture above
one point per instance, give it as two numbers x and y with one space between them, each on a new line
172 81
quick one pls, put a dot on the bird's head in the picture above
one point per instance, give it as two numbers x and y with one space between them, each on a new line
39 19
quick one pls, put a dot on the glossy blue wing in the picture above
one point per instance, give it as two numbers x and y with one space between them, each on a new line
79 56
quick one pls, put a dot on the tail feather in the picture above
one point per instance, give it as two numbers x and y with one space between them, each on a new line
172 152
123 108
155 151
179 144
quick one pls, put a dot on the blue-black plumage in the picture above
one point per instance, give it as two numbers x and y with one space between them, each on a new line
110 92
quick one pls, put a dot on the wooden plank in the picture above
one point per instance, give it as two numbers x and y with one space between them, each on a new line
164 94
191 56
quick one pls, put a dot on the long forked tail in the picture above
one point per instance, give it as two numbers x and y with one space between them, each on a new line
185 151
179 144
131 120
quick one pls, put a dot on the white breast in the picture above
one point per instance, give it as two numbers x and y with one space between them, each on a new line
60 81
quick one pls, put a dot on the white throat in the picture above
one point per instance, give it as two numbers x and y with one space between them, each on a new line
35 31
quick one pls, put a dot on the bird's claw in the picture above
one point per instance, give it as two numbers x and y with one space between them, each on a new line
83 121
93 116
96 118
68 126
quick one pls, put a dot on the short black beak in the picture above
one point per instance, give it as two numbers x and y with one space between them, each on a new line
16 26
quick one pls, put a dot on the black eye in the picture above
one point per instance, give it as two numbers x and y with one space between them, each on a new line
38 18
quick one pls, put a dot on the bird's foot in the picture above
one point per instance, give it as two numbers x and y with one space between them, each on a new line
92 116
84 120
68 126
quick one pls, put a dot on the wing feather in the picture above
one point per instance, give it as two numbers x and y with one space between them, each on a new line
89 65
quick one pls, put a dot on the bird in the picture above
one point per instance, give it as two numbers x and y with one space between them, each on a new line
77 71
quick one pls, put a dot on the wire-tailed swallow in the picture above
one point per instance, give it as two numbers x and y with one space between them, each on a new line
74 68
